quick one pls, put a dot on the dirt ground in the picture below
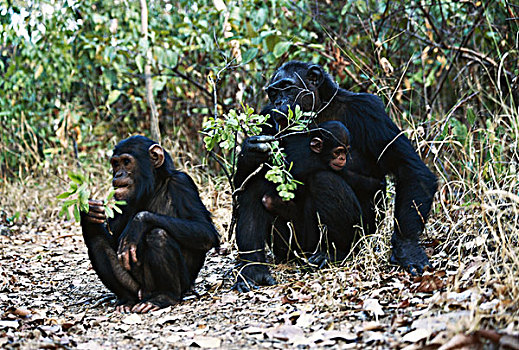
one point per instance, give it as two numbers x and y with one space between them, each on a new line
51 298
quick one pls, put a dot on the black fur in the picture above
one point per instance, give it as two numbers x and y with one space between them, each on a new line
378 148
167 221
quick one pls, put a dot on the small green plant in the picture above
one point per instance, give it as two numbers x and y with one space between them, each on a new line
224 131
77 197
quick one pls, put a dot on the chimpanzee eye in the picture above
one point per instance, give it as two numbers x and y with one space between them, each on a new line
126 161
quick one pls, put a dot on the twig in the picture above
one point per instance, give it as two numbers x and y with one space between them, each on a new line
247 179
227 175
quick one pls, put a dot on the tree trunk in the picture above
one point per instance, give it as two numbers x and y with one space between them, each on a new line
154 116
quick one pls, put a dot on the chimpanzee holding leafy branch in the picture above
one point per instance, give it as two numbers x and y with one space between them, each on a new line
379 147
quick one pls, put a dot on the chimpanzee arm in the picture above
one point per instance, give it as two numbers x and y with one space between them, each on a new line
252 226
190 223
102 247
255 149
375 134
366 183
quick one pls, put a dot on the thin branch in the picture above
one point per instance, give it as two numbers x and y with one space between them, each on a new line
247 179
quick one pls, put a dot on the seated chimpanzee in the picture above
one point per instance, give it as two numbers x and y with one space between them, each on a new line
378 148
325 147
149 255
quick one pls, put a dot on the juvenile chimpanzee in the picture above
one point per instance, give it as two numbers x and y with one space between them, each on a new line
325 146
380 149
149 255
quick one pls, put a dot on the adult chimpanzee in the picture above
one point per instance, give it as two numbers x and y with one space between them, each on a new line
149 255
379 146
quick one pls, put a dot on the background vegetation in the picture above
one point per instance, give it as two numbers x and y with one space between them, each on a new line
72 85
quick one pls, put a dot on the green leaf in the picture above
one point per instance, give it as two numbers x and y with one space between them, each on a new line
77 178
121 203
64 195
109 212
281 48
77 216
113 96
110 196
117 209
69 202
139 61
249 55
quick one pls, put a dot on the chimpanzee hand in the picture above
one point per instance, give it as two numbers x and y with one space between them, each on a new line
130 238
96 212
251 276
409 255
257 147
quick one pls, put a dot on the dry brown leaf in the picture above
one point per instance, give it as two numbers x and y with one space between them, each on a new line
132 319
373 326
339 335
8 324
21 312
416 335
207 342
429 283
462 342
174 338
254 330
284 332
373 306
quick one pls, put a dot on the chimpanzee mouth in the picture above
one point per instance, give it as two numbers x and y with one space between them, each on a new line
336 167
121 192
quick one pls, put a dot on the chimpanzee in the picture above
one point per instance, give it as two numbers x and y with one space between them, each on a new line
326 145
149 255
379 147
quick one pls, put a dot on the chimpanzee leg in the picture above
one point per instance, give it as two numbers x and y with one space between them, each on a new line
252 227
339 210
103 255
164 271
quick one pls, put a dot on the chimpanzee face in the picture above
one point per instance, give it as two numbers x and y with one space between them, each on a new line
332 144
338 158
124 168
295 85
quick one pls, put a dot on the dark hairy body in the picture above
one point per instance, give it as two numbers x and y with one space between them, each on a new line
149 255
378 148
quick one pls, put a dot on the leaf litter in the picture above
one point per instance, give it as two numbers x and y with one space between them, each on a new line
51 298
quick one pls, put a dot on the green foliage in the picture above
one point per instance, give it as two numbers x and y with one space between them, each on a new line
72 71
223 132
78 195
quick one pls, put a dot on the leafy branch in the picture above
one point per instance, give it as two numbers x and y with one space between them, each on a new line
77 197
223 132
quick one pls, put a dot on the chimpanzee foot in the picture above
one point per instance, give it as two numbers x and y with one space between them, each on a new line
318 260
410 256
154 303
124 306
251 276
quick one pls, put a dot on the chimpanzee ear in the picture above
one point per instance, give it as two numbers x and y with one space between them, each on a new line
316 145
156 155
315 75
